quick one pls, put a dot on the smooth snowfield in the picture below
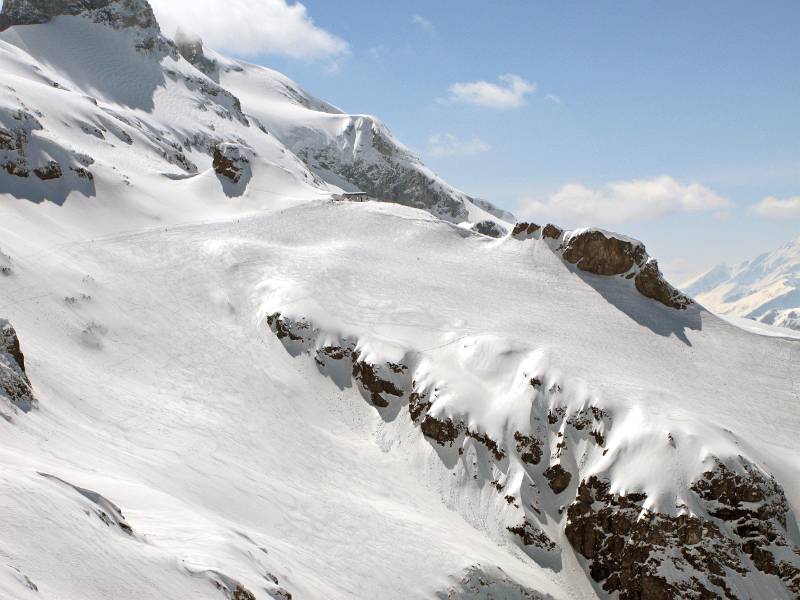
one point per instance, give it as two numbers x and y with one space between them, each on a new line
166 394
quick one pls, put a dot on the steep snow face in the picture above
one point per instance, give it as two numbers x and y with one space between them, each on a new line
766 289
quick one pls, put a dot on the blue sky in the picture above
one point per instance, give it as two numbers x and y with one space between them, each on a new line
704 95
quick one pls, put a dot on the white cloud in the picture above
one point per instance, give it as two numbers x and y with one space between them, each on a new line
444 145
510 92
554 99
778 208
423 23
251 27
623 201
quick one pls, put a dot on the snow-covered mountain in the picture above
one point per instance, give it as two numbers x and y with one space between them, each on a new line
221 379
766 289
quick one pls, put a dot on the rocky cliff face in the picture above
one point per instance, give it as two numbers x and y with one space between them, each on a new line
118 13
607 254
733 524
16 393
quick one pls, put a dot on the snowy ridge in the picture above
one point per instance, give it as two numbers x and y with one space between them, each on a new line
766 289
218 382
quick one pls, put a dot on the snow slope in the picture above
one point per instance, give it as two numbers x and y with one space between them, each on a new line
766 289
251 390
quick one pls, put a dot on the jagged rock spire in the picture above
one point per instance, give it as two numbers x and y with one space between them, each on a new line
118 13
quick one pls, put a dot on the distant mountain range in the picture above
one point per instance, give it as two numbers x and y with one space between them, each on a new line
766 289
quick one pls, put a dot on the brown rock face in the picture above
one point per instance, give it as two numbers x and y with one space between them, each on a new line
594 252
367 375
529 448
552 232
231 161
15 387
9 343
524 230
50 171
444 432
558 478
532 536
651 284
627 545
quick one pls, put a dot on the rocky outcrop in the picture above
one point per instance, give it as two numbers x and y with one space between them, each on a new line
16 393
191 49
377 387
232 161
558 478
642 554
116 13
651 283
609 255
524 230
490 229
601 254
552 232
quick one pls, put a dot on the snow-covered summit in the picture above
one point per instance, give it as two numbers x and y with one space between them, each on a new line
766 289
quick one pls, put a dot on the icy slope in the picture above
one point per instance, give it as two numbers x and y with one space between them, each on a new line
766 289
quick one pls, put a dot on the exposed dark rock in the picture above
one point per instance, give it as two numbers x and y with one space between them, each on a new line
558 478
418 404
532 536
524 230
378 388
287 328
191 49
117 13
18 167
15 387
444 432
231 161
490 444
51 170
552 232
489 228
597 253
529 448
9 343
651 284
83 173
242 593
626 545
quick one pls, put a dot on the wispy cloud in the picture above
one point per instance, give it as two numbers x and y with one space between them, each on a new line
423 23
554 99
624 201
511 91
445 145
251 27
778 208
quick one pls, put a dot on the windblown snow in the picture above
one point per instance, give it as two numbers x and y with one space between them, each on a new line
220 378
